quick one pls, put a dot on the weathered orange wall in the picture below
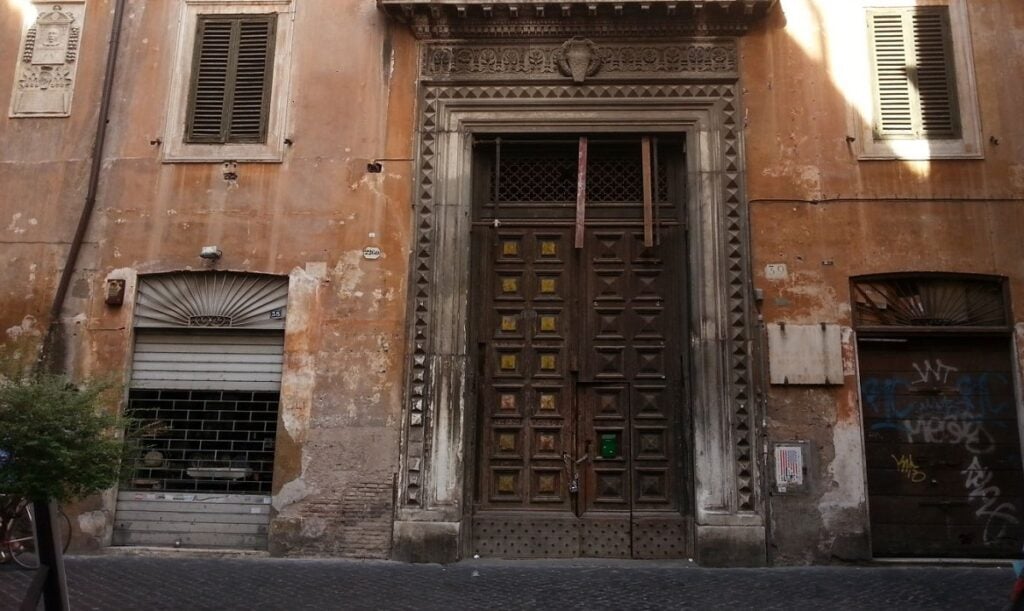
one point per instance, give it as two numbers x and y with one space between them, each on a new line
351 101
796 148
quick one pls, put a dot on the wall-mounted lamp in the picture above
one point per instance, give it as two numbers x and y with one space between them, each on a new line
210 253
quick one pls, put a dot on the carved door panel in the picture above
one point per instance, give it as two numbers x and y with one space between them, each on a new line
528 406
630 383
579 452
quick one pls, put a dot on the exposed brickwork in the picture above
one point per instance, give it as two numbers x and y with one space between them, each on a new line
356 523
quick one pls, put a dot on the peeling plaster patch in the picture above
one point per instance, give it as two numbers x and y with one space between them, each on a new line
847 473
292 492
849 352
13 227
1017 177
349 273
27 327
313 528
815 300
807 178
93 523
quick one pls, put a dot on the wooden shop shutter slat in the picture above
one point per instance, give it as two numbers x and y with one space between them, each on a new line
915 93
232 66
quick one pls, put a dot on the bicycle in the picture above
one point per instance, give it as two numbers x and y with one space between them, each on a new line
18 532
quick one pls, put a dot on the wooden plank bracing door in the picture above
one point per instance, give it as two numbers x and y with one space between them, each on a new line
580 395
942 445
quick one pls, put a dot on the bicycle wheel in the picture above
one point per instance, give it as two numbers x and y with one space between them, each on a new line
65 529
22 542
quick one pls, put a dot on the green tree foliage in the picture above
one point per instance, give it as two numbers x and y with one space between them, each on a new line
59 439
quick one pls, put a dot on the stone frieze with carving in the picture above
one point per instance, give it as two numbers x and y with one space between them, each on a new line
547 61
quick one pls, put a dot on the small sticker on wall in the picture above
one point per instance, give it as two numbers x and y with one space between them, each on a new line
789 466
371 253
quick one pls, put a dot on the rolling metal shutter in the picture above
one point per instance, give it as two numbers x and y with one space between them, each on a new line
208 360
197 385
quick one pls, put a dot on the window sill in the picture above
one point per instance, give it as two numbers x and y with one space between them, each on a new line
919 150
217 153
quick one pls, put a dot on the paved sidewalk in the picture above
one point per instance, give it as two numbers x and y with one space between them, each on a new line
175 582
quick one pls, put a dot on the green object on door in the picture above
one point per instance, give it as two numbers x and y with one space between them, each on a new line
609 445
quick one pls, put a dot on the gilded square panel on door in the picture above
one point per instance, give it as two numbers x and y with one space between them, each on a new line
506 443
510 248
547 485
549 363
509 286
506 484
509 323
550 248
507 401
508 361
548 324
548 401
546 443
549 287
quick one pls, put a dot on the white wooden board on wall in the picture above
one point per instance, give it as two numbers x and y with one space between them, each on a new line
805 354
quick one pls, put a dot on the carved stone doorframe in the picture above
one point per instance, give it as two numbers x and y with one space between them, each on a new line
438 431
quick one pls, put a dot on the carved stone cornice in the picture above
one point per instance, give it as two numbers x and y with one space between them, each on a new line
466 19
688 59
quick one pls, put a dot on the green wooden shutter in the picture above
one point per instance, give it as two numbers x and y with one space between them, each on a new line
229 96
915 83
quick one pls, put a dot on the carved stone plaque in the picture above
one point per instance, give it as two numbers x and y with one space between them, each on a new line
45 73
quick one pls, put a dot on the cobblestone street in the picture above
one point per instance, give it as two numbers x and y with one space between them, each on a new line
145 582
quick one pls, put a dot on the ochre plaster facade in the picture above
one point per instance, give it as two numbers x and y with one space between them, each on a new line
355 97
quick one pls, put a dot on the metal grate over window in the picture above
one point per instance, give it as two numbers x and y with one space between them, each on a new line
547 172
929 301
202 440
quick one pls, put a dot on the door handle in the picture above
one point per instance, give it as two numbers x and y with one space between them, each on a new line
583 458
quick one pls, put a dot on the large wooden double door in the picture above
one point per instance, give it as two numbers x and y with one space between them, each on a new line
580 396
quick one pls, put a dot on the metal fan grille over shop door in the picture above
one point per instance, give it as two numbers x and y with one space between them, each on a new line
580 395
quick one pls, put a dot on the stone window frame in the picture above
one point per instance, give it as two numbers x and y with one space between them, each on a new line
176 149
968 145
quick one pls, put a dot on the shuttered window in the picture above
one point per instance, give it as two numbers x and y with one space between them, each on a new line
229 96
915 82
